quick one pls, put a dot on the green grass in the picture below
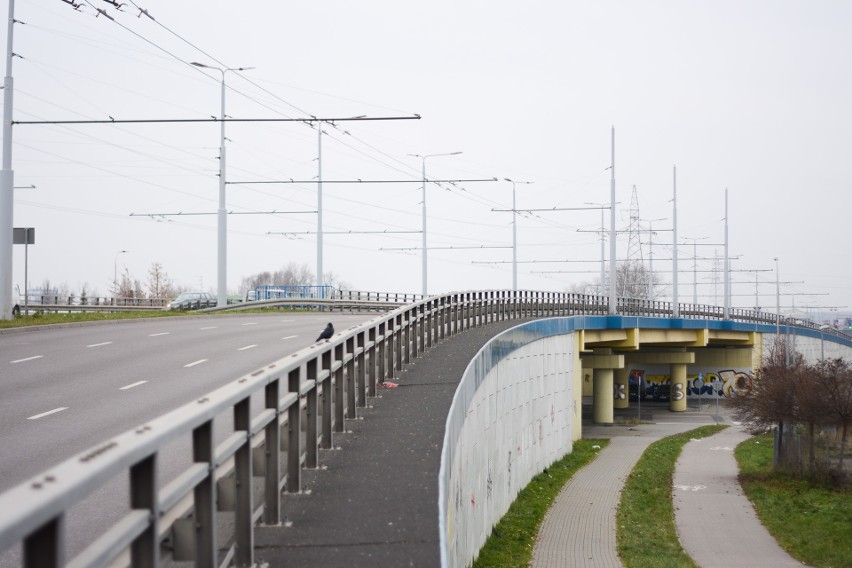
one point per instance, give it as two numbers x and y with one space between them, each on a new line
47 319
809 519
511 541
645 527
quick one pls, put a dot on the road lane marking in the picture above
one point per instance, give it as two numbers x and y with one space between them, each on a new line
209 327
48 413
250 323
290 337
99 344
136 384
246 347
159 334
194 363
27 359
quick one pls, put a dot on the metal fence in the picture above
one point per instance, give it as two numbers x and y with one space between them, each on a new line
306 398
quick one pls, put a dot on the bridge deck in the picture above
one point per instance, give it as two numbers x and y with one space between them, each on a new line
374 501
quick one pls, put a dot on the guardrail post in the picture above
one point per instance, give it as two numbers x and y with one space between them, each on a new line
145 550
45 548
399 343
312 415
204 496
243 526
294 434
409 344
339 388
361 371
372 361
272 499
422 327
383 348
350 378
325 439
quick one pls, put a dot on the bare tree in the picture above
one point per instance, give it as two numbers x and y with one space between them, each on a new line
836 386
290 275
771 399
159 284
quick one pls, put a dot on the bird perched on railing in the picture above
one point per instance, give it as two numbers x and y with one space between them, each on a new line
326 333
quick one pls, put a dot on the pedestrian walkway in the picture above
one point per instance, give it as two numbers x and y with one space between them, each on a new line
579 528
716 522
374 499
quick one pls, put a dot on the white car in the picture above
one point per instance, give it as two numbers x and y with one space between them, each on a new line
17 301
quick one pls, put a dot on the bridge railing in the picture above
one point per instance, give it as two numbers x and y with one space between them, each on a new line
269 425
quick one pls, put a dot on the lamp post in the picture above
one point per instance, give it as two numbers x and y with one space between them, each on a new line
515 233
115 270
822 329
695 265
651 257
425 262
7 180
777 301
222 273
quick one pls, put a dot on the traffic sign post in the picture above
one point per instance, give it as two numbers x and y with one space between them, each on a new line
24 236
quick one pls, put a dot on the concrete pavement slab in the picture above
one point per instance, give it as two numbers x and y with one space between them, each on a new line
579 528
716 522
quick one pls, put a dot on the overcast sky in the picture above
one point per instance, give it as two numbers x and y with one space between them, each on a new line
753 96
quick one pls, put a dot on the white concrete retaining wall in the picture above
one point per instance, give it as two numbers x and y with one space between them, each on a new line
511 417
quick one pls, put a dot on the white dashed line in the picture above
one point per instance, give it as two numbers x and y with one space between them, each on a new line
250 323
246 347
136 384
194 363
290 337
27 359
159 334
100 344
48 413
209 327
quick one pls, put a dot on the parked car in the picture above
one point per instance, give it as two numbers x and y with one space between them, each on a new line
662 392
17 301
191 301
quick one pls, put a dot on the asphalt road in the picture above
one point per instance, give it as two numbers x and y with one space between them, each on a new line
65 390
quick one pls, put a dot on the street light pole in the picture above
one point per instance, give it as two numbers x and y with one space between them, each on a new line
651 257
115 271
675 300
727 306
613 306
777 302
423 171
222 248
7 181
603 207
515 233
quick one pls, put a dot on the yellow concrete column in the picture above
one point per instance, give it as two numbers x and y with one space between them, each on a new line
602 413
620 394
677 400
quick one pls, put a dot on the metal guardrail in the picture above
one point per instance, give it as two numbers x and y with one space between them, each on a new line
307 396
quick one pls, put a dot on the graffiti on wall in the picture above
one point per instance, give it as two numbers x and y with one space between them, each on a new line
724 383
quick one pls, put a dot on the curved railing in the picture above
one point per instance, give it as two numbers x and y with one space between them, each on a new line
306 397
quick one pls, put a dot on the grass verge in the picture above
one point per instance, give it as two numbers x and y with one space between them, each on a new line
645 527
809 519
47 319
511 540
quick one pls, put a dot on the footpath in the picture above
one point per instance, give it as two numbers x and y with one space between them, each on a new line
374 499
716 523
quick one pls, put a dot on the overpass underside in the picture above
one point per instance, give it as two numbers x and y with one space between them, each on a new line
680 362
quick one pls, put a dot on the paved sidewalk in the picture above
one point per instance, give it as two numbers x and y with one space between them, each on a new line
579 528
374 500
717 524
